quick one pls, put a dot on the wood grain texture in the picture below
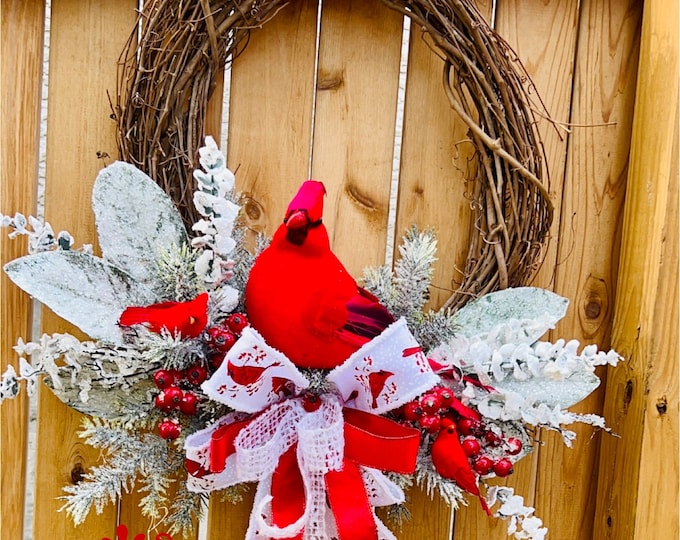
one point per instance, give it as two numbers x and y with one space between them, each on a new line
270 121
272 95
86 39
638 490
21 49
544 36
592 207
356 103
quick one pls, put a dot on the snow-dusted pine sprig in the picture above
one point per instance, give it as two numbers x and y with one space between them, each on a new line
186 509
214 201
432 482
40 234
129 455
172 351
176 276
405 290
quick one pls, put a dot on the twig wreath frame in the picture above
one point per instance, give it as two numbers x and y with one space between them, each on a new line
168 70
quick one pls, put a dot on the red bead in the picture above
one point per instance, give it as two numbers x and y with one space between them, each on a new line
311 402
216 360
189 404
163 378
169 429
467 426
431 424
220 339
237 322
173 395
514 446
445 395
431 403
412 411
483 465
196 374
471 446
502 468
162 402
492 438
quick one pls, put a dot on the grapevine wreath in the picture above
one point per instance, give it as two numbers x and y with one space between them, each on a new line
199 372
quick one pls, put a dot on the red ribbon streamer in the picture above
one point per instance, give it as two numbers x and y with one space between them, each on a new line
222 444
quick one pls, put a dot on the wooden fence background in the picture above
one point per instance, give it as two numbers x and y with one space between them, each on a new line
607 68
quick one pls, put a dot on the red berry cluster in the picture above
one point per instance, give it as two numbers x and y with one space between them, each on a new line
485 445
178 387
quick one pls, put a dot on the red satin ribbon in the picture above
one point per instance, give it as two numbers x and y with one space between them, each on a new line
370 440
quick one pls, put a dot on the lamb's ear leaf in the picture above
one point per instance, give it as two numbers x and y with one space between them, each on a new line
136 221
537 311
81 288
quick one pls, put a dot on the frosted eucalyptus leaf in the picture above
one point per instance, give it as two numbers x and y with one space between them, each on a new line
537 310
563 393
136 220
85 290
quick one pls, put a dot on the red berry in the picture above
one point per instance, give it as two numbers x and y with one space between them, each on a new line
431 424
162 402
311 402
216 360
492 438
196 374
445 395
483 465
220 339
503 467
471 446
446 421
431 403
467 426
168 429
163 378
173 396
189 404
514 446
412 411
237 322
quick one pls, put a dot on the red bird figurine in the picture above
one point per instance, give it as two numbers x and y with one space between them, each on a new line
301 298
450 461
186 318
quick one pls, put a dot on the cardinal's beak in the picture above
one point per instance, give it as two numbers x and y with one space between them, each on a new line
297 220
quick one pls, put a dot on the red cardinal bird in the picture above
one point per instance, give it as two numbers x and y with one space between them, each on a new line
186 318
247 375
451 462
301 298
376 382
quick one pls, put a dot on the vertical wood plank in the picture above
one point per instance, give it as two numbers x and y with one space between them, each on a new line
270 120
635 500
86 40
21 49
592 208
544 35
358 74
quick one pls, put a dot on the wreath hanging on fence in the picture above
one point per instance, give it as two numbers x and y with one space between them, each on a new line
331 397
168 72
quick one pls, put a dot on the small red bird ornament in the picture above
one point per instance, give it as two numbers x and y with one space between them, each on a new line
300 297
186 318
450 461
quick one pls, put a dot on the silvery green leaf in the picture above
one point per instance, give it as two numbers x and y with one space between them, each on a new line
563 392
85 290
136 220
537 309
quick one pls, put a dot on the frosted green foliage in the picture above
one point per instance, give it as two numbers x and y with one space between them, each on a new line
214 199
83 375
427 478
186 510
136 220
523 525
40 234
432 328
176 277
132 459
172 351
85 290
537 310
